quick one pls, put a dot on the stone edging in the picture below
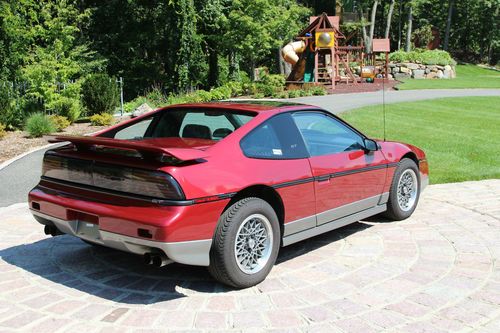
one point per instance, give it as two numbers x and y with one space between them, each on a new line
408 70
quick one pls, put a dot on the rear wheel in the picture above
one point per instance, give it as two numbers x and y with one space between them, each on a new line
405 191
246 243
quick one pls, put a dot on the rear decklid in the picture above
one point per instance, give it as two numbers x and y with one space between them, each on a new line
147 149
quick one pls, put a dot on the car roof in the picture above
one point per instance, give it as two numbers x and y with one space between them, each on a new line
250 105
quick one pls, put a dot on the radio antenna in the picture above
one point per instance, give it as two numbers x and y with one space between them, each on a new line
383 101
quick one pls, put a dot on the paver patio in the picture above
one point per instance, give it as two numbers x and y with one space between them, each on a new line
438 271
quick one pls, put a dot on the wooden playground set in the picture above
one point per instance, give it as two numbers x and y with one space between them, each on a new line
321 54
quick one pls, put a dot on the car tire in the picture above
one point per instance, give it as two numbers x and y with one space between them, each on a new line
404 192
245 244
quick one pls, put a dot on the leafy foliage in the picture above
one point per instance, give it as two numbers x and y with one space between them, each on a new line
427 57
39 124
59 122
99 94
102 119
68 108
2 131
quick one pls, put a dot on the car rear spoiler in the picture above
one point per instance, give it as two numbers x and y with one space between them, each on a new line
145 149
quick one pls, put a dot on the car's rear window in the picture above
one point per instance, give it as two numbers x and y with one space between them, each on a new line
184 123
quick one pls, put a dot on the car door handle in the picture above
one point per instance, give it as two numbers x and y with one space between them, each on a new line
323 178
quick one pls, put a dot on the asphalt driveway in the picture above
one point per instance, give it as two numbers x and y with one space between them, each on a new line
438 271
18 178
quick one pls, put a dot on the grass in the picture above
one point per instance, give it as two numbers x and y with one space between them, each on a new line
468 76
461 136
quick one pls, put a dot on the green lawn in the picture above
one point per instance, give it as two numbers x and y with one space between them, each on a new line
461 136
468 76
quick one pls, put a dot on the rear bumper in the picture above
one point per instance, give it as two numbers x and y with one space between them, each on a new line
194 252
424 181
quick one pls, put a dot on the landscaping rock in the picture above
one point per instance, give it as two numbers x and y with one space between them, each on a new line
427 70
399 76
405 70
440 74
418 74
395 70
446 74
143 108
447 68
412 66
432 75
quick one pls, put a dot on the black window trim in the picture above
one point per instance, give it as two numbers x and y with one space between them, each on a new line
111 132
306 110
334 117
274 158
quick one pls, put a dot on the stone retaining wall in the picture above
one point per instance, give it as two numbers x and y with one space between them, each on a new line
418 71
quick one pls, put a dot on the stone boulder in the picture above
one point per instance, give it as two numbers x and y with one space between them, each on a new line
419 74
432 75
412 66
141 109
399 76
405 70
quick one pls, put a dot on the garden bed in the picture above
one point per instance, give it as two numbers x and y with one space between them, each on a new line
18 142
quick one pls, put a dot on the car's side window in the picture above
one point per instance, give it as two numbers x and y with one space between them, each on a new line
276 138
325 135
135 131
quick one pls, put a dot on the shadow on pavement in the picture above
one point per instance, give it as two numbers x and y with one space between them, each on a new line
122 277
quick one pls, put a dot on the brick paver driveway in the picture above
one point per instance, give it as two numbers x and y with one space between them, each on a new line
437 271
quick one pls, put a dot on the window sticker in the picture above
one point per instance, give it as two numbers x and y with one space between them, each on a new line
277 152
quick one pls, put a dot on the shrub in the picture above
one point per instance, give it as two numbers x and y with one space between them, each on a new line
156 98
274 80
60 122
39 124
280 94
68 108
100 94
2 131
11 117
266 90
426 57
236 88
220 93
296 93
103 119
202 96
318 90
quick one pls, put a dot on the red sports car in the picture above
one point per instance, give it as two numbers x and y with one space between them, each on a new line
223 185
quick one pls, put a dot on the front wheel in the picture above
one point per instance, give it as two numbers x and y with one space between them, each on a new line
404 192
246 243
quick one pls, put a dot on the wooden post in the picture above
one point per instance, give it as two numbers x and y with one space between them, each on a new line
316 76
335 65
387 66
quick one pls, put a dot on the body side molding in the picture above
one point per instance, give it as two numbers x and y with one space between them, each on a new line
297 237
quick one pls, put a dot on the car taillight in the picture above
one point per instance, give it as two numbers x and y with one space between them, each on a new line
142 182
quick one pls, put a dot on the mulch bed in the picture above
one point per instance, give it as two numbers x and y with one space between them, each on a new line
18 142
363 87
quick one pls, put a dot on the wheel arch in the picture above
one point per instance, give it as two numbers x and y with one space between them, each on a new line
266 193
411 155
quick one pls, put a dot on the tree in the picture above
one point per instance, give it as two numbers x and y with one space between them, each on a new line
409 27
389 18
372 24
451 3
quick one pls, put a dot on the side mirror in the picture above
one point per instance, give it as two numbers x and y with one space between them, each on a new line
371 145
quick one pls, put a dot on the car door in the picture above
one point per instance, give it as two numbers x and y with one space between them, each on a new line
348 178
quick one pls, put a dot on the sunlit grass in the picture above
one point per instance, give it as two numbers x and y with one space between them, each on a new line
461 136
468 76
